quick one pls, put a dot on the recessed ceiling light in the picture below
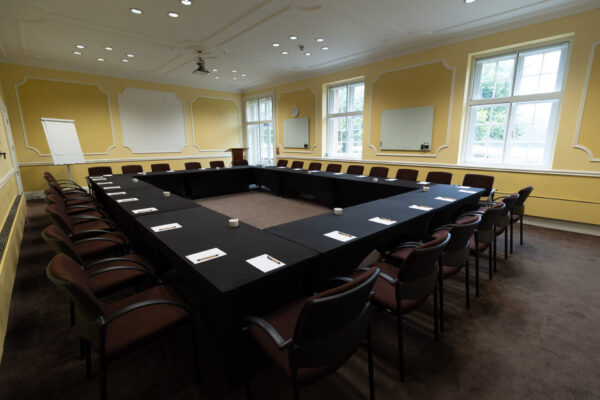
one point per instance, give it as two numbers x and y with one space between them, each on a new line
324 48
136 11
275 44
284 52
308 53
100 59
173 14
293 37
108 48
77 53
80 46
215 70
234 71
243 74
130 55
186 2
234 78
469 1
217 77
319 40
125 60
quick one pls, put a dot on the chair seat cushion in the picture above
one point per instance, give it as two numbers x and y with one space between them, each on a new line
144 324
75 212
482 246
515 217
79 227
385 292
109 282
449 271
500 230
73 202
95 248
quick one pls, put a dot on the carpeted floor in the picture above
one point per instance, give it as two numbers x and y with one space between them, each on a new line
532 334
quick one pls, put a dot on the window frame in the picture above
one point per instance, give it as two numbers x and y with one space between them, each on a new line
259 122
329 134
512 101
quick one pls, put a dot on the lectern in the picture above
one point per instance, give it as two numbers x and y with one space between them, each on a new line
237 153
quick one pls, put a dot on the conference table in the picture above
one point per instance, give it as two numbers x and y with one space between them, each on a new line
229 273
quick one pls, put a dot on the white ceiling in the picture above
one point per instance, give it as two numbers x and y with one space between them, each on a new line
238 34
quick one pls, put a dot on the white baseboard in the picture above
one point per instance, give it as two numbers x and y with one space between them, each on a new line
569 226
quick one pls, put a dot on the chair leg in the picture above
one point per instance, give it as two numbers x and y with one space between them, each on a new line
81 349
296 389
196 349
400 344
103 374
495 250
436 334
476 264
511 234
467 298
88 359
490 258
521 230
370 361
441 301
72 312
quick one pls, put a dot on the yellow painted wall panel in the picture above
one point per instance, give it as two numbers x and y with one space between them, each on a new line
216 123
589 132
306 101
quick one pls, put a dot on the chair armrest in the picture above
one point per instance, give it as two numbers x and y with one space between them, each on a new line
142 304
281 343
125 268
387 278
334 282
406 245
86 218
444 227
85 234
491 195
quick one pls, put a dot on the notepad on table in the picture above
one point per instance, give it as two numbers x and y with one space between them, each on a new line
97 178
383 221
338 173
265 263
468 191
171 170
112 187
127 200
341 236
144 210
391 179
423 183
297 169
115 193
166 227
448 199
107 175
464 187
205 255
422 208
105 183
361 176
281 167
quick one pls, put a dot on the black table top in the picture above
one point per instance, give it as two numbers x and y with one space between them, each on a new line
147 197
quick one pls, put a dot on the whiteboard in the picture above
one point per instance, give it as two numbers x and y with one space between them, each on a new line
295 132
406 128
63 141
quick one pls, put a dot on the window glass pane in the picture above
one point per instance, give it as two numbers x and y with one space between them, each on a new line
253 140
266 143
494 77
356 97
338 99
252 110
355 127
339 135
531 130
540 72
488 124
266 110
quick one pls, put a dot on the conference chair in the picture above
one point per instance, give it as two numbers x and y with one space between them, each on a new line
192 165
64 183
217 164
117 329
456 255
355 169
517 213
407 283
298 164
379 172
71 198
75 210
439 177
481 181
334 168
314 166
238 163
282 163
99 171
504 221
407 174
160 167
312 337
131 169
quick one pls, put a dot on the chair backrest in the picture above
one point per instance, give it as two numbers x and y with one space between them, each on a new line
480 181
297 164
334 168
407 174
419 271
98 171
314 166
217 164
59 218
60 242
519 206
379 172
131 169
282 163
49 177
488 219
192 165
439 177
355 169
332 323
160 167
509 201
237 163
456 252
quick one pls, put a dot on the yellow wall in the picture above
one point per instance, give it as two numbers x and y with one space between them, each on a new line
212 121
569 190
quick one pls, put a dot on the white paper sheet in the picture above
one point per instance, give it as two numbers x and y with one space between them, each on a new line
468 191
464 187
383 221
281 167
206 255
423 183
341 236
171 170
297 169
105 183
112 187
127 200
115 193
391 179
144 210
361 176
97 178
422 208
166 227
338 173
107 175
448 199
265 263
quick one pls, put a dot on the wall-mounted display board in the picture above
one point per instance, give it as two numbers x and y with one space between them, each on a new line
296 133
407 128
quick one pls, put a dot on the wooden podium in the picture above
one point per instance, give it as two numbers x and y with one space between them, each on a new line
237 153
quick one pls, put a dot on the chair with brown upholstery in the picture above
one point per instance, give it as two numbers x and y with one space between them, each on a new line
334 168
117 329
408 277
78 226
481 181
439 177
64 183
99 171
192 165
314 166
407 174
132 169
313 337
71 198
239 163
217 164
160 167
517 213
379 172
282 163
298 164
355 169
74 210
504 221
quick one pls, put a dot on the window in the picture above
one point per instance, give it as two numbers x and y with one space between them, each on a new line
259 130
513 107
345 120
